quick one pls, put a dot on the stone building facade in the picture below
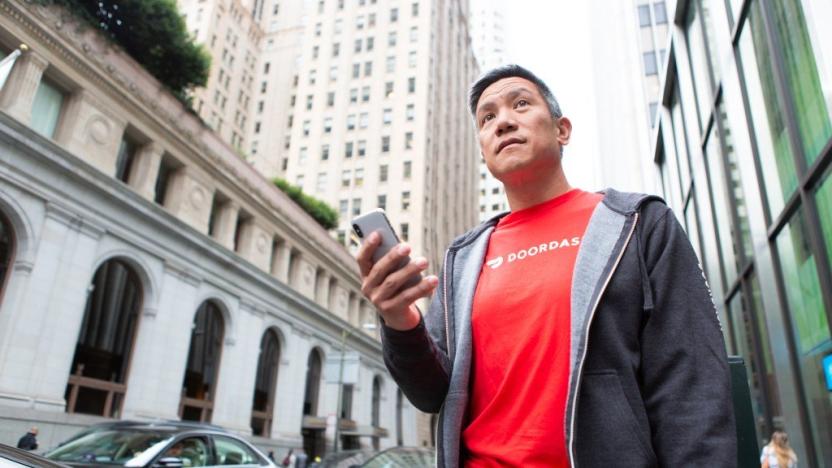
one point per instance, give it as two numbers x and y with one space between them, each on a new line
148 272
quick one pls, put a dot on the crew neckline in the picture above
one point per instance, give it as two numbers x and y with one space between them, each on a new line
525 214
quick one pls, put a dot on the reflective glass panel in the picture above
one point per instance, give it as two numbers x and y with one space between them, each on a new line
766 113
743 330
699 63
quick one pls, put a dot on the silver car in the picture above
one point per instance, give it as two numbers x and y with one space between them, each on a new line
158 444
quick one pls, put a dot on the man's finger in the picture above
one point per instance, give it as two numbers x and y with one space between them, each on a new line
387 264
397 279
365 253
403 299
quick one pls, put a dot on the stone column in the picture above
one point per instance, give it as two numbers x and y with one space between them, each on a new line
145 170
18 93
91 131
188 198
226 224
255 245
280 263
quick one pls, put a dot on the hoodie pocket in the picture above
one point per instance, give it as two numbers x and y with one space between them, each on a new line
608 433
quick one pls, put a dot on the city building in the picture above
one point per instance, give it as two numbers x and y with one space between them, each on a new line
148 272
628 44
743 150
230 32
488 39
379 117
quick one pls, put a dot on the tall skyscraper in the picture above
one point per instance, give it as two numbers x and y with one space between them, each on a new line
488 36
232 35
378 117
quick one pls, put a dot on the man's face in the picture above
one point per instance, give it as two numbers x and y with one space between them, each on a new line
518 137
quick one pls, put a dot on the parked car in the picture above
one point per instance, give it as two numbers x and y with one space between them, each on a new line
402 457
11 457
157 444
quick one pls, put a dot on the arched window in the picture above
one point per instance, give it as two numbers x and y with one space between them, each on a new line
375 416
6 250
313 383
98 376
312 429
200 381
264 386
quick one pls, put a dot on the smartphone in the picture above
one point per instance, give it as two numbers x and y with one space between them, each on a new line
376 221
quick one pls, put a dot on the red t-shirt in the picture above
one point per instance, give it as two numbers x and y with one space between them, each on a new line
521 335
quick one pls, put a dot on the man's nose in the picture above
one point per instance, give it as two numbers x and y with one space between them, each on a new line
505 123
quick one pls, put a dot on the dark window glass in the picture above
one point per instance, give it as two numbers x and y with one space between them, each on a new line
313 382
203 363
124 160
6 249
265 383
105 341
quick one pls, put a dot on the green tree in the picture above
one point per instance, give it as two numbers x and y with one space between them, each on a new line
153 33
324 214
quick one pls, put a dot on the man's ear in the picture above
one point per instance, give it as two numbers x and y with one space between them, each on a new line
564 126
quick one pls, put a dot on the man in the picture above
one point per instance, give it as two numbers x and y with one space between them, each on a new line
577 330
29 440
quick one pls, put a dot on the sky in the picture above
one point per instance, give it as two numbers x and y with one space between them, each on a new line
551 38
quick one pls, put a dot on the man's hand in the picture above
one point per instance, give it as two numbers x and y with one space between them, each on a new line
382 283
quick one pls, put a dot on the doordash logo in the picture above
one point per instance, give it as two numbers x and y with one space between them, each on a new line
532 251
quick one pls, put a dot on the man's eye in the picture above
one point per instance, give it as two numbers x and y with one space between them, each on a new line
487 117
521 102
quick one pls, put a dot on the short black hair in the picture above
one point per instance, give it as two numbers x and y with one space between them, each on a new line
508 71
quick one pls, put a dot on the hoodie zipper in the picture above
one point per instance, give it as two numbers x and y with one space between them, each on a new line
586 339
445 301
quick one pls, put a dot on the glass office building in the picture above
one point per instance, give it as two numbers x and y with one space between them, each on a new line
744 152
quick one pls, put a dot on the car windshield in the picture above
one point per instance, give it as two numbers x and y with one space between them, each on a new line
109 446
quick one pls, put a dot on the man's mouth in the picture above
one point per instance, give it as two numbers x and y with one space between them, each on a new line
510 141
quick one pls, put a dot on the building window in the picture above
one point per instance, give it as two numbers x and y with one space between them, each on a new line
660 13
411 59
309 100
363 120
365 94
351 122
320 182
358 44
324 152
371 20
336 49
362 148
313 383
411 85
97 382
124 160
265 384
390 64
353 95
330 99
385 144
343 207
388 89
348 150
644 15
391 39
414 9
302 156
368 68
306 127
654 107
315 51
167 168
359 177
408 140
46 108
328 125
333 73
370 43
356 206
356 70
394 15
202 364
387 116
346 178
405 232
650 67
407 169
382 202
405 200
382 173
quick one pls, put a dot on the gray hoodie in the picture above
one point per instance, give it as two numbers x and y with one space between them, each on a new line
648 375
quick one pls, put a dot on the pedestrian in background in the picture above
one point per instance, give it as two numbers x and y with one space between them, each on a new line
578 329
778 453
29 440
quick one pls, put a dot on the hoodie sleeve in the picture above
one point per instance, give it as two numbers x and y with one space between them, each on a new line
417 358
686 380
